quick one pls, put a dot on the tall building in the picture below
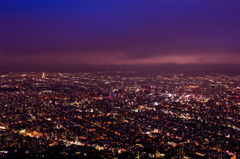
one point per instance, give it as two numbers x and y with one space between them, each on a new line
43 75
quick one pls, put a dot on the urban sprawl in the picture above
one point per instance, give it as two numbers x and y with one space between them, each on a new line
119 115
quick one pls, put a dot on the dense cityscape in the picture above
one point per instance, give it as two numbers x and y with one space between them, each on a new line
119 115
120 79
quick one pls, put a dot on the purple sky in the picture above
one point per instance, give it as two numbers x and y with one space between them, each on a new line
120 32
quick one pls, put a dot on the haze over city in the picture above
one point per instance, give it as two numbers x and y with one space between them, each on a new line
119 35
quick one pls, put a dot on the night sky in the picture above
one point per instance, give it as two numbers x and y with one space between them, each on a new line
57 33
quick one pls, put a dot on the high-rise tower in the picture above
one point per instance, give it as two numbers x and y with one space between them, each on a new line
43 75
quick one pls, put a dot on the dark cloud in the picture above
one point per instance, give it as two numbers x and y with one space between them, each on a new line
119 30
